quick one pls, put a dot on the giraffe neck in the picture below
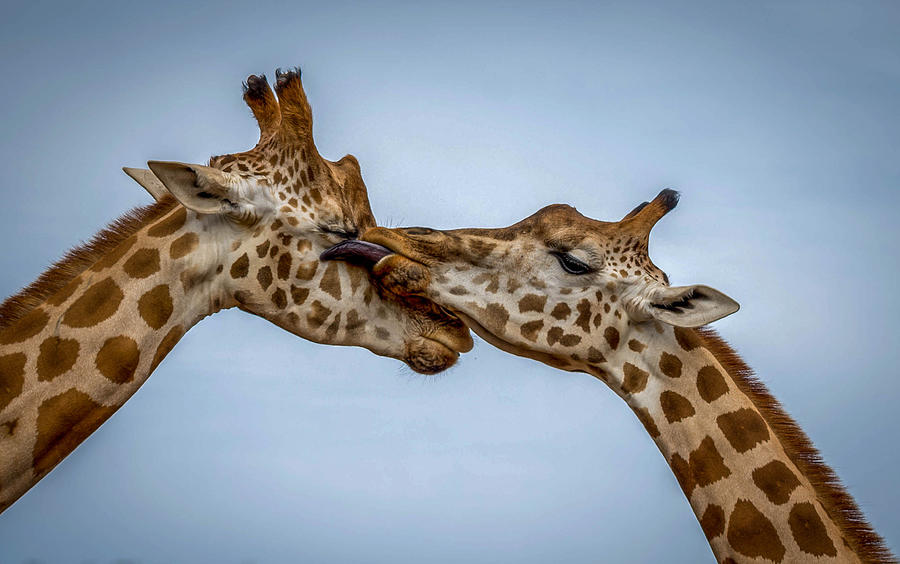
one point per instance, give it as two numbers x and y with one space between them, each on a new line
755 483
71 361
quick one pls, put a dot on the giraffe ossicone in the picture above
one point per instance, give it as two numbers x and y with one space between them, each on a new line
246 230
583 295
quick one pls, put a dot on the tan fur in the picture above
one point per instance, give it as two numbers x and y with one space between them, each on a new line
79 259
837 502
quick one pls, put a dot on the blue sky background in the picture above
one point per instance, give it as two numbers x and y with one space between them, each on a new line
778 122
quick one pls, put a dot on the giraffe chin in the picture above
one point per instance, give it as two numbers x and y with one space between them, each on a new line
438 347
429 356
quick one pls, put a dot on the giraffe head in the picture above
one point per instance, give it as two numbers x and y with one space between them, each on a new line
548 286
266 214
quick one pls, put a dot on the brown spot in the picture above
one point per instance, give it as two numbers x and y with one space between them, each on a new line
184 245
707 465
113 256
284 266
382 333
675 406
307 270
532 302
303 245
57 356
240 267
357 277
809 531
264 277
142 263
711 384
643 415
118 359
687 339
636 345
554 335
752 534
279 298
530 329
63 422
670 365
776 481
96 304
635 379
584 316
611 334
480 248
331 281
743 428
595 356
512 285
561 311
12 377
262 249
170 224
317 315
60 297
355 323
459 291
155 306
493 317
25 328
598 320
570 340
166 345
331 330
299 295
713 521
682 470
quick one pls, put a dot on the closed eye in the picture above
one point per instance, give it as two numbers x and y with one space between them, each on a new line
571 264
339 231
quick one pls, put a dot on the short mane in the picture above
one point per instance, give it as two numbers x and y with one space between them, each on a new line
839 504
79 259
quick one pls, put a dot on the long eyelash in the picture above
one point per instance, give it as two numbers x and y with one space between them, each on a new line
563 257
343 233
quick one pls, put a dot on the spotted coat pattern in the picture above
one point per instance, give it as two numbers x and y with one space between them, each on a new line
731 448
80 341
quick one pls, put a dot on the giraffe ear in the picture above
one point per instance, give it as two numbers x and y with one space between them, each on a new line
148 181
691 306
202 189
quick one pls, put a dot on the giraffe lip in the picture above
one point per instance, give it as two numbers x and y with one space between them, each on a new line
357 252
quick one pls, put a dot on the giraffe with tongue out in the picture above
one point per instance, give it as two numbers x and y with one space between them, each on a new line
244 231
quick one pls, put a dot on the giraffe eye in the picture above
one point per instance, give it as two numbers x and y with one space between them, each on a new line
340 232
571 264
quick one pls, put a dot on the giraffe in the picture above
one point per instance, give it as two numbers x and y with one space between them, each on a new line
243 231
583 295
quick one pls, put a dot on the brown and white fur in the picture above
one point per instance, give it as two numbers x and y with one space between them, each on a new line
583 295
245 231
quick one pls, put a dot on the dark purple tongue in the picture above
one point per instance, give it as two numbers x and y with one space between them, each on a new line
357 252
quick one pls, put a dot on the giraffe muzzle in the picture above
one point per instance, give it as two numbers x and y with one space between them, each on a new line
357 252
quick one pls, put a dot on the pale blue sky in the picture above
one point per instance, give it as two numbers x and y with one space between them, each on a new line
778 122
